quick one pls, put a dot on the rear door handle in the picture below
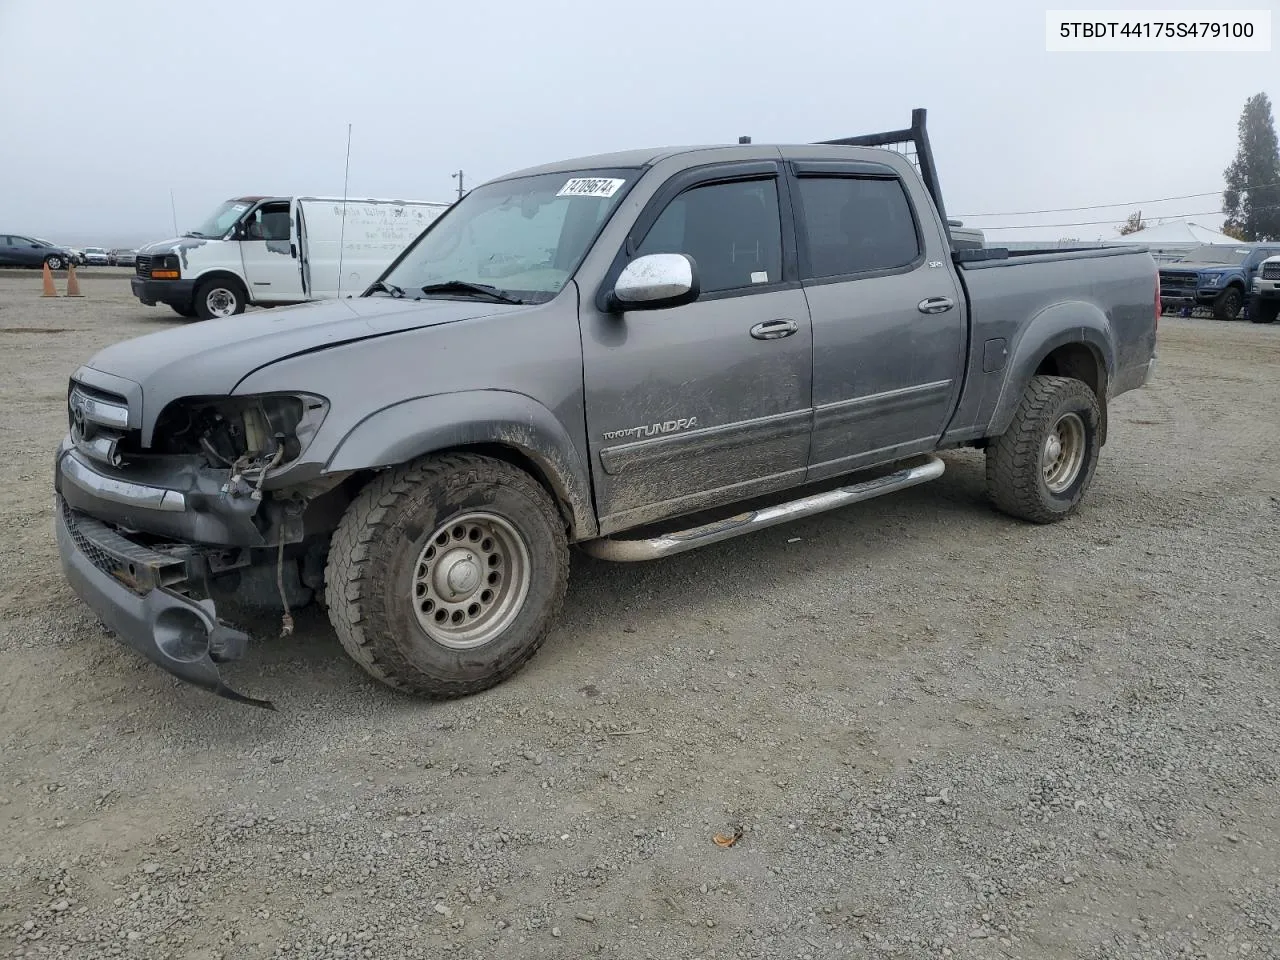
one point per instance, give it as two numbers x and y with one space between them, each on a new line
935 305
774 329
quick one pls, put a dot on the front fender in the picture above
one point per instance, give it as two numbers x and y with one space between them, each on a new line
413 428
1063 324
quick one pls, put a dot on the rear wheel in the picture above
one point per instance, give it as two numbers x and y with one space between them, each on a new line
1228 304
445 575
1263 311
1041 466
219 297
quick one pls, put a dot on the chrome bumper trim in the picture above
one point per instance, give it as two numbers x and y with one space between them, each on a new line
76 471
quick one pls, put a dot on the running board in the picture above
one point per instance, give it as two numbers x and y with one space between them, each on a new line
608 548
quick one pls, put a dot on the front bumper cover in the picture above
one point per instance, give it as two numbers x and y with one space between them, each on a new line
135 590
178 293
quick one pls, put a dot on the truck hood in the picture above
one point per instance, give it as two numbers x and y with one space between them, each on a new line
212 356
1197 267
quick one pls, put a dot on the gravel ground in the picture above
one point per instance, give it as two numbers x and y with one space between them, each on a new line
940 732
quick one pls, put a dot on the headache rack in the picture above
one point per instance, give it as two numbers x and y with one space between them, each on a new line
912 143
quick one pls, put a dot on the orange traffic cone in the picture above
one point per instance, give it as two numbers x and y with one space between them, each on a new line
73 285
49 290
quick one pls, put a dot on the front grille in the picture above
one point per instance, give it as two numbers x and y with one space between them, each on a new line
142 266
1271 271
138 567
96 555
1179 282
89 407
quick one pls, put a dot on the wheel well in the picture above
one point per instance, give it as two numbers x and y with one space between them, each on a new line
1080 362
520 459
224 276
497 451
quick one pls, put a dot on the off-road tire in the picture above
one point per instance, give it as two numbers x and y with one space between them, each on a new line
1015 465
1228 304
373 556
1263 311
234 288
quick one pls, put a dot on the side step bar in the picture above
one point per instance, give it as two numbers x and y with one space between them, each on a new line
679 541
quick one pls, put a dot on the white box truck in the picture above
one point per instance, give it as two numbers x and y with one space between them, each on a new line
272 251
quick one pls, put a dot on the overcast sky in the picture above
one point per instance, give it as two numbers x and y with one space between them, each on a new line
109 106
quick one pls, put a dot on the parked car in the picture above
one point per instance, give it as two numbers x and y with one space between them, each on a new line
272 251
97 256
1264 302
1214 275
21 251
124 258
675 347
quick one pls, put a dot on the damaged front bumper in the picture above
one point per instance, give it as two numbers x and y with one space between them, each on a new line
141 591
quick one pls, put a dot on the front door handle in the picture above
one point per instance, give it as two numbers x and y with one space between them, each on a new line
774 329
935 305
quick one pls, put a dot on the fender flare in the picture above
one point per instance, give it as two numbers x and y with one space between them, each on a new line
413 428
1060 325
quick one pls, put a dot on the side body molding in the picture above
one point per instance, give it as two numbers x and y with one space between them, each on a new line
1065 323
413 428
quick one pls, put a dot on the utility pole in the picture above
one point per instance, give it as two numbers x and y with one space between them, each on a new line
458 176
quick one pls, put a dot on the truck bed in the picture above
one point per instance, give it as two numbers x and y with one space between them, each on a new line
1110 290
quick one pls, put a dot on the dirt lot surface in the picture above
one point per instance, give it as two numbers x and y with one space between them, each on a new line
942 732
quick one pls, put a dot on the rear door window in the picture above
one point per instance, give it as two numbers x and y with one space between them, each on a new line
855 225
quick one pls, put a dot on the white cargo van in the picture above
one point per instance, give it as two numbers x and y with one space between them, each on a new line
271 251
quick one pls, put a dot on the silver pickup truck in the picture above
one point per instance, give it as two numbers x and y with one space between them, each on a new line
637 354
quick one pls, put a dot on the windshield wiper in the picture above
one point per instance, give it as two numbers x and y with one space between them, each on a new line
391 288
474 289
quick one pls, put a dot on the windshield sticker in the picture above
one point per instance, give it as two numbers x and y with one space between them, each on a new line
760 276
590 187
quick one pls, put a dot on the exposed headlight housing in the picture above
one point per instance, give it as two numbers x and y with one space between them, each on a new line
245 432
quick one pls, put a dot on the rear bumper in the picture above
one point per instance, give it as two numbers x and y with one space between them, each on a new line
178 293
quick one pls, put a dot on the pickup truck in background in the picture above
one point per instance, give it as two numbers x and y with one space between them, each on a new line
273 251
1264 300
1215 275
635 354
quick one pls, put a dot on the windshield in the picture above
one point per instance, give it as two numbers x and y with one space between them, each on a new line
1217 253
523 237
220 220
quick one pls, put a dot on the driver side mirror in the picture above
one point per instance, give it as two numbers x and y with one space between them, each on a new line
656 281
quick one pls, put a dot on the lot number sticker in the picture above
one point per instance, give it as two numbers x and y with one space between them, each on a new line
590 187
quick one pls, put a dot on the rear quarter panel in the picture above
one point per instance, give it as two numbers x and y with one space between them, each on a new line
1023 308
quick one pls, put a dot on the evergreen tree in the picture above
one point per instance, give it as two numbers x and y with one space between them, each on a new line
1252 198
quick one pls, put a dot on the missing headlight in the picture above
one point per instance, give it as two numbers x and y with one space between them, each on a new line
240 431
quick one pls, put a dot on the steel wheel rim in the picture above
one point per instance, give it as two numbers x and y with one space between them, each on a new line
1063 453
221 302
470 580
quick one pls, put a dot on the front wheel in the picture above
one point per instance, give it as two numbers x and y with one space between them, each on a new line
1041 466
55 262
1228 304
1263 311
219 298
446 575
183 310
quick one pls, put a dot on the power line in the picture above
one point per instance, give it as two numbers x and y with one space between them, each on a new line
1104 206
1094 223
